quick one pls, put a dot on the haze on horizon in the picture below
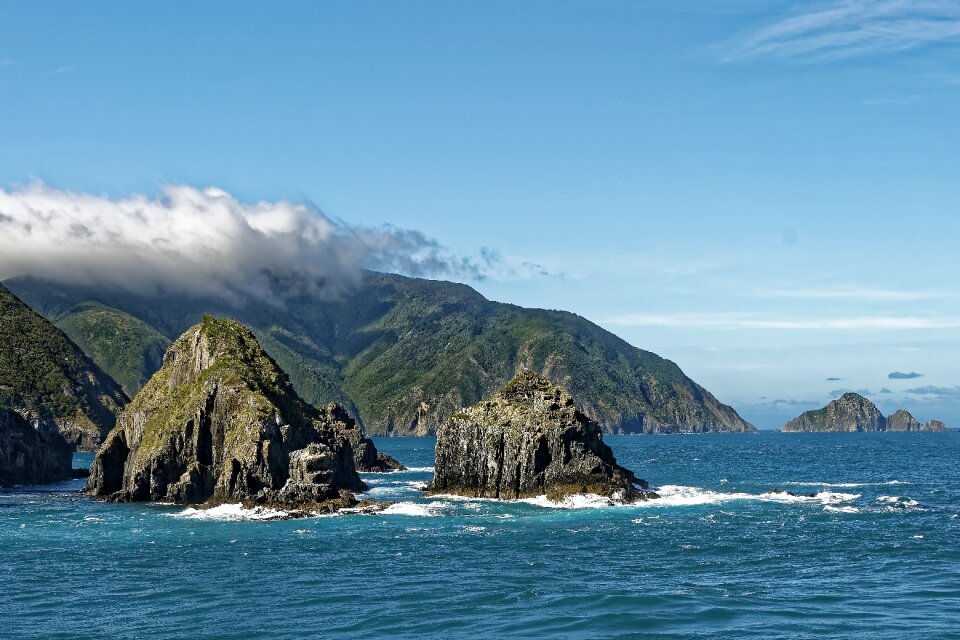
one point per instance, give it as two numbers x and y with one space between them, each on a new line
763 192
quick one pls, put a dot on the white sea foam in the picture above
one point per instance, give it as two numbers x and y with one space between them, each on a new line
681 496
898 501
414 470
845 485
429 509
573 501
231 512
843 509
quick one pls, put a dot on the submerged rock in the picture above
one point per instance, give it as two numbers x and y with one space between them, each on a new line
31 455
527 440
220 422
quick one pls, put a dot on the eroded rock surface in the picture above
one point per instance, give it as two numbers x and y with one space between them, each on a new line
527 440
31 454
221 422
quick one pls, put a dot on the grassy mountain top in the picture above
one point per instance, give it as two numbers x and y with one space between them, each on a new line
402 354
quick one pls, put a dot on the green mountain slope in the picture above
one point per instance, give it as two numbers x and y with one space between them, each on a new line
47 378
128 349
402 354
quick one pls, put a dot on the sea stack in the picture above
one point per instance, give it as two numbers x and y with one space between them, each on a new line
221 422
528 440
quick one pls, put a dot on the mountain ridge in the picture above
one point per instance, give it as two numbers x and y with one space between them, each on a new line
402 354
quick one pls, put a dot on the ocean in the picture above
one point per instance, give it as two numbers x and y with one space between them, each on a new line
874 554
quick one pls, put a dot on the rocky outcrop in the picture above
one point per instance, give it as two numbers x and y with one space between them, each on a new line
31 455
221 422
45 378
934 425
527 440
853 412
850 412
901 420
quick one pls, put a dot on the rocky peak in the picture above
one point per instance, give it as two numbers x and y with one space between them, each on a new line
849 412
528 439
853 412
901 420
221 421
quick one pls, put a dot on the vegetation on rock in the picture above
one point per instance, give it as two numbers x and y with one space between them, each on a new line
853 412
221 421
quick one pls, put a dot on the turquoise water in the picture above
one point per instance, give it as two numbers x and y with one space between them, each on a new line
875 556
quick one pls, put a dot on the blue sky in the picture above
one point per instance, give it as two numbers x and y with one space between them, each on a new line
764 192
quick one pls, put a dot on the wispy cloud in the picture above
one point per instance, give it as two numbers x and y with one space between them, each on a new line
930 390
740 321
850 293
206 242
851 28
900 375
67 68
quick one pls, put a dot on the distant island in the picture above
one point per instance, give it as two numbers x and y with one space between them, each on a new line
853 412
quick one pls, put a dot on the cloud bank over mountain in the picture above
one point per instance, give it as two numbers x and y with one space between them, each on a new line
205 242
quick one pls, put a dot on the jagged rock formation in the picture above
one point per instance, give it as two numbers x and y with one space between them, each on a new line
221 422
403 354
30 455
527 440
45 378
853 412
850 412
901 420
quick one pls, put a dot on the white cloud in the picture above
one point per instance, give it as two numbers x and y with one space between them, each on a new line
851 28
201 242
741 321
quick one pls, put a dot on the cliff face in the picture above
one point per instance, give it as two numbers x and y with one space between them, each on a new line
901 420
220 421
31 455
527 440
47 379
853 412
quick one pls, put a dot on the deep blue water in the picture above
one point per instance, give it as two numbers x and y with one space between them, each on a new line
874 557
